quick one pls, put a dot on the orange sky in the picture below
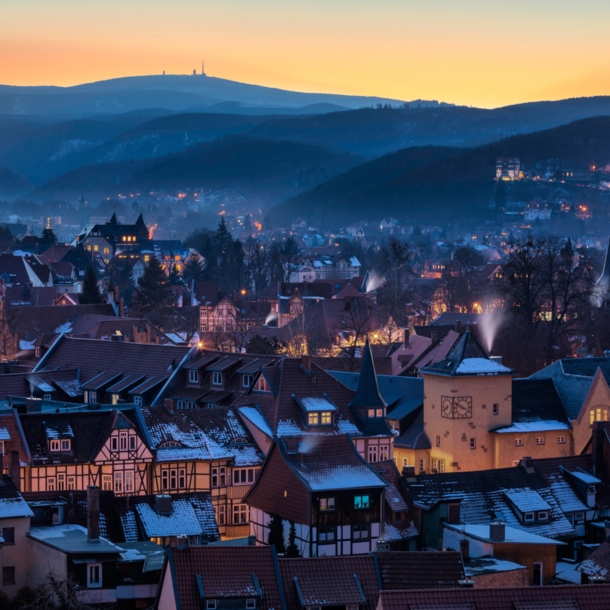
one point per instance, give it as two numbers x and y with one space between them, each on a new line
481 53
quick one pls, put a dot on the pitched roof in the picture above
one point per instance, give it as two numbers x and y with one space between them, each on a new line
326 581
367 393
226 571
467 357
420 570
561 597
598 562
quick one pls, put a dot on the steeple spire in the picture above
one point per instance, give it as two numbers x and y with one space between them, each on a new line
367 394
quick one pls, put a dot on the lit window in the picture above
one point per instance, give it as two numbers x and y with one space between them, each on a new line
216 378
313 419
115 399
325 418
598 414
362 502
327 504
261 384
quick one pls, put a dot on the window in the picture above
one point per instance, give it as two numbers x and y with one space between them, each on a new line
50 483
182 478
250 604
71 485
261 384
165 480
598 415
473 443
327 504
129 481
540 440
246 380
221 514
518 442
325 418
438 465
326 534
61 481
132 442
219 476
362 502
92 397
579 516
123 440
106 482
373 453
115 399
118 482
561 440
55 445
438 440
8 575
138 400
422 465
173 478
193 376
94 575
496 408
384 452
528 517
216 378
543 515
8 533
243 476
375 412
313 419
405 462
210 604
240 514
114 443
48 397
65 444
360 532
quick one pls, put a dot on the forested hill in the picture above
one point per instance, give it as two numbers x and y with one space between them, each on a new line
434 184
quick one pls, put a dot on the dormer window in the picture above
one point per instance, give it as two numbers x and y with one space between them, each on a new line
375 412
216 378
246 380
193 376
325 418
543 515
528 517
66 444
313 419
261 384
57 444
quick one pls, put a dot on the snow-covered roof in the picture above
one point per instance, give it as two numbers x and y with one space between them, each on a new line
527 500
585 477
256 418
480 366
354 262
185 519
314 404
14 507
4 434
511 534
341 477
476 566
533 426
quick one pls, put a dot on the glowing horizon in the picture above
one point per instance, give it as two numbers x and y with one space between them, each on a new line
467 53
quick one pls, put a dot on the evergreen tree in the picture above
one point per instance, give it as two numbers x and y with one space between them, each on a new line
263 346
48 237
276 534
153 291
292 550
175 279
91 292
193 270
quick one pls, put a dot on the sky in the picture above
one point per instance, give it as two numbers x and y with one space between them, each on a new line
474 52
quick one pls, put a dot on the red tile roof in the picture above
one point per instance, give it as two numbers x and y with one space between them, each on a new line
582 597
420 570
225 572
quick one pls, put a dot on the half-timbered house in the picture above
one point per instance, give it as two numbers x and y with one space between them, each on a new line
326 489
70 450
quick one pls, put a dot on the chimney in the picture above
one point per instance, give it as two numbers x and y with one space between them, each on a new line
121 307
116 294
407 337
497 531
183 542
93 513
409 473
597 580
466 584
15 470
465 549
306 362
169 405
163 504
434 336
458 326
528 464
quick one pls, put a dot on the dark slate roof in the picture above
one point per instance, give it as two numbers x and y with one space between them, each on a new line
450 318
226 571
18 384
325 581
536 400
93 357
482 494
598 562
572 378
563 597
467 348
415 436
420 570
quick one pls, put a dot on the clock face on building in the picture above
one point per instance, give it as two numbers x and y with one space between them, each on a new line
456 407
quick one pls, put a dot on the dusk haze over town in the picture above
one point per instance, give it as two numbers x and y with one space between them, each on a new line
304 305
